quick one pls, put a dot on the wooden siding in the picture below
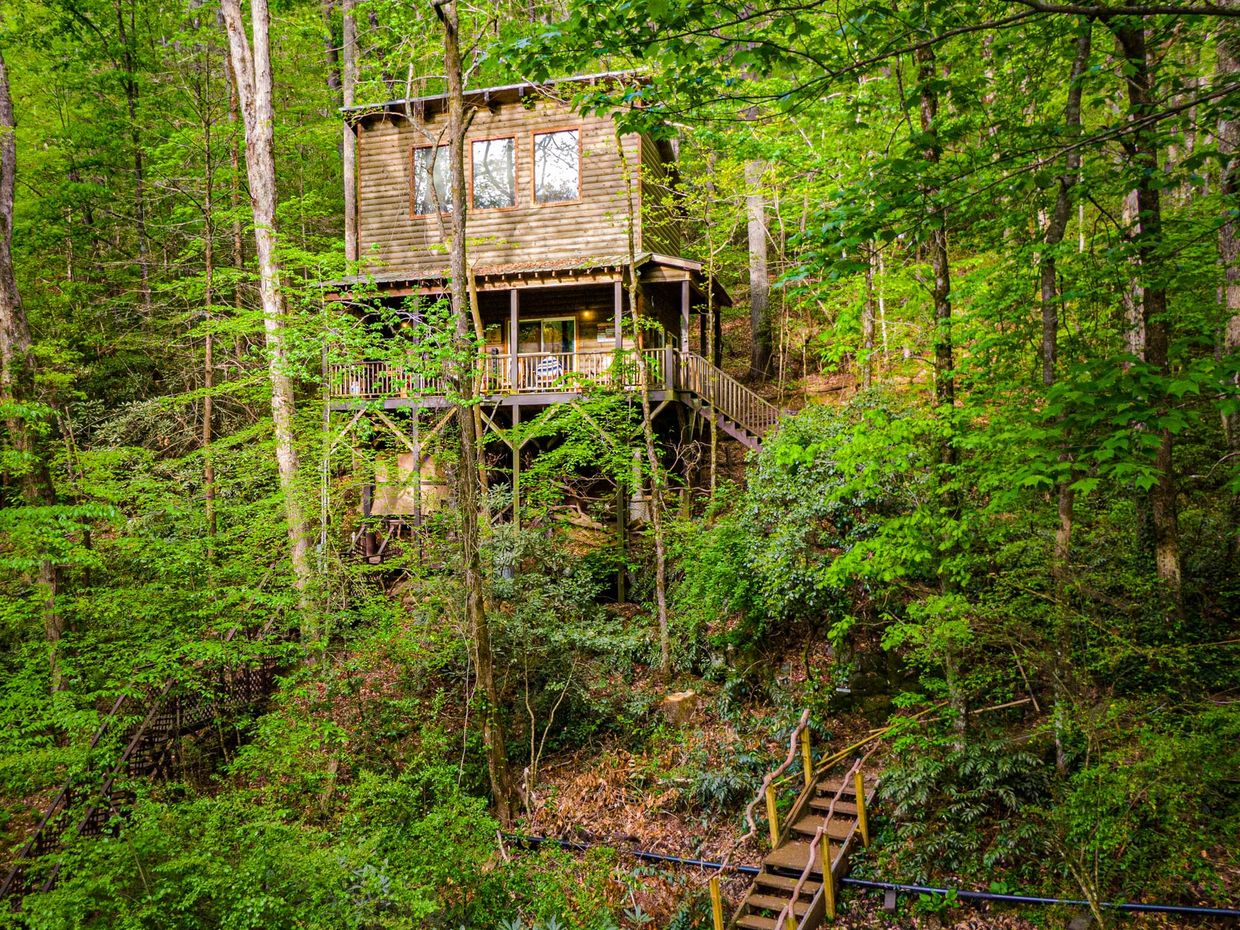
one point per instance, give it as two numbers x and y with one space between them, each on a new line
594 227
660 224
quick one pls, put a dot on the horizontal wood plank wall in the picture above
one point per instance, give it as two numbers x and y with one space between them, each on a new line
595 227
660 226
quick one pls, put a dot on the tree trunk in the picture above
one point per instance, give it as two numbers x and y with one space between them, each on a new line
759 273
944 365
252 71
331 51
208 296
130 82
867 321
349 150
648 436
1228 67
1143 155
461 373
17 378
1048 274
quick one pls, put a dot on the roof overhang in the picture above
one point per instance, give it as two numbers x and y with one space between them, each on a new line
487 97
652 268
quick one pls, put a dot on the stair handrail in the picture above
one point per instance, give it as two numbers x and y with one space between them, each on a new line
794 741
758 420
789 909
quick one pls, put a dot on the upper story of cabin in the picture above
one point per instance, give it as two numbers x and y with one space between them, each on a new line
546 185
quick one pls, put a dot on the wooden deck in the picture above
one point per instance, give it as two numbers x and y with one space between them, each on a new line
546 378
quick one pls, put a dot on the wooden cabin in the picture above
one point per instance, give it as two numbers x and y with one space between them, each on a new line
563 214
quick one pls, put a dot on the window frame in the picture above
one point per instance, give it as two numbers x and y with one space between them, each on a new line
413 180
516 174
548 131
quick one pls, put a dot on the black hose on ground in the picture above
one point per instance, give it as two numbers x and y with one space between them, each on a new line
647 856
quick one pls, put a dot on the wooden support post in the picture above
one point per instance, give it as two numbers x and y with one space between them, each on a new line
516 465
415 428
772 815
514 305
862 823
807 758
716 902
702 335
618 315
717 361
684 315
828 880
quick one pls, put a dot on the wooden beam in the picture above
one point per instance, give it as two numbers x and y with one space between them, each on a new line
514 306
684 315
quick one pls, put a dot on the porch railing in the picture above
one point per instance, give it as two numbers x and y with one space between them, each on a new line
568 372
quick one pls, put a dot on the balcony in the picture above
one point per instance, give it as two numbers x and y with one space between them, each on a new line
526 373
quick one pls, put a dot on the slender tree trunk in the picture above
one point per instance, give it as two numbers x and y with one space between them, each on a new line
349 143
331 51
648 435
1056 228
17 379
867 321
944 364
1143 154
130 82
1228 68
759 272
208 297
252 70
462 370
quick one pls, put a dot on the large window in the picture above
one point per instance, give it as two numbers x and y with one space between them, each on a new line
557 166
495 174
432 180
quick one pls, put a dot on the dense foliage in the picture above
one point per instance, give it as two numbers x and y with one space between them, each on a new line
1010 491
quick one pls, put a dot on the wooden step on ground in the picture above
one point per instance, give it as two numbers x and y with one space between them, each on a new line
786 883
756 922
792 856
775 904
838 827
842 807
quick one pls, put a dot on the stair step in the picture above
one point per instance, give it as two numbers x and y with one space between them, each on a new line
830 786
842 807
792 856
838 828
754 922
785 883
768 902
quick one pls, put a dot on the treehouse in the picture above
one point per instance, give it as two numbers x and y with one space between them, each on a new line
567 219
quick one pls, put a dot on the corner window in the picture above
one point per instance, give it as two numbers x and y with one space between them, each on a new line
494 174
432 180
557 166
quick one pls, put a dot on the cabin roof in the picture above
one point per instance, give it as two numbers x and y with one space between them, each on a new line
652 268
482 96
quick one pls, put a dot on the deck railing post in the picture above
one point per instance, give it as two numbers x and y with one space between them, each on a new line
828 880
807 757
862 823
772 815
716 902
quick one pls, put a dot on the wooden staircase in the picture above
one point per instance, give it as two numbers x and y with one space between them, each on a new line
796 884
724 401
822 830
164 734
